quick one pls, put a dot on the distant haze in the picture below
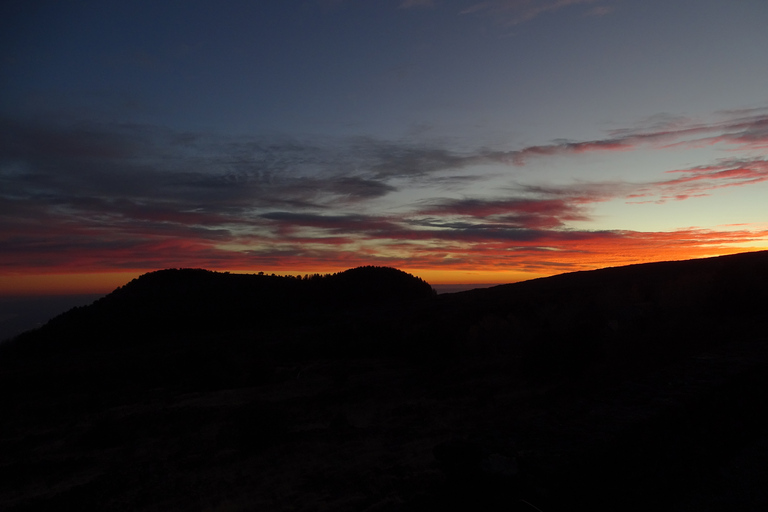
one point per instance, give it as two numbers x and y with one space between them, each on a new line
19 314
451 288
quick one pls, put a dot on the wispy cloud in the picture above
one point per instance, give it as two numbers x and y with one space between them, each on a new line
537 213
410 4
701 180
745 132
514 12
99 197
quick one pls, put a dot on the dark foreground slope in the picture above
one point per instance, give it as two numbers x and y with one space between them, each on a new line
631 388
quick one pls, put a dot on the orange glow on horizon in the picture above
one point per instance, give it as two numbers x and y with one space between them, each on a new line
63 284
461 276
104 283
491 266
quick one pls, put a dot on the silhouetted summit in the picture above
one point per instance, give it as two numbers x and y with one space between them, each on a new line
189 287
377 284
176 302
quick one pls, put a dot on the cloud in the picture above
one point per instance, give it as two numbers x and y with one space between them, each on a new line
239 173
410 4
515 212
537 251
354 225
602 10
190 170
701 180
519 157
99 197
513 12
519 234
748 131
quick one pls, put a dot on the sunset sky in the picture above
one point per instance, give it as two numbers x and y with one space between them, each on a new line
463 141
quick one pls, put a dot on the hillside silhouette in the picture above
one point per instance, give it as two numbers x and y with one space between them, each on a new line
628 388
191 302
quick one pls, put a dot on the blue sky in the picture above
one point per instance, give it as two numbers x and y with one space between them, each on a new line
460 140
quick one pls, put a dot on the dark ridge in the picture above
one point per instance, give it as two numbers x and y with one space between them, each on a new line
191 290
655 312
172 303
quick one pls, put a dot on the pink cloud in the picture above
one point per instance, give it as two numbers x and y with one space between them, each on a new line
698 181
59 218
748 132
537 243
564 148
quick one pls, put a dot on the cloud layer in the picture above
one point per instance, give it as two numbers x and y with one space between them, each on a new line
84 197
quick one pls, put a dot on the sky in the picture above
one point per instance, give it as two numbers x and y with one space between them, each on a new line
463 141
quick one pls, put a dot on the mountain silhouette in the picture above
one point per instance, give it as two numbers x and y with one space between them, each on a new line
629 388
189 302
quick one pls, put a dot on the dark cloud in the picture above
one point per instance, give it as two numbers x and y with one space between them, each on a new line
352 224
749 130
141 172
358 187
399 160
84 196
198 170
549 213
424 228
64 247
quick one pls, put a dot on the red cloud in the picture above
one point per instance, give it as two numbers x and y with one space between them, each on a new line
519 157
697 181
61 246
58 218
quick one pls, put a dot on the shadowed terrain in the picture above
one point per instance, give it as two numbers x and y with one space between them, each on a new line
631 388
